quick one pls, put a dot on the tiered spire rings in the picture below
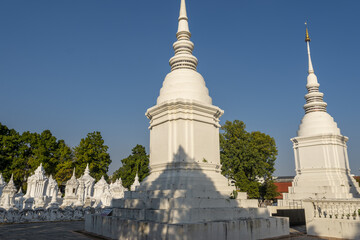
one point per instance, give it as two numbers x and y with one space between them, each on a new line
314 98
183 47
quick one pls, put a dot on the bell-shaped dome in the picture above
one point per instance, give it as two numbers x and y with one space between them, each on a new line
185 84
317 123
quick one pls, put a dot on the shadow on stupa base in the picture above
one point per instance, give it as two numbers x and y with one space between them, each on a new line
186 201
245 228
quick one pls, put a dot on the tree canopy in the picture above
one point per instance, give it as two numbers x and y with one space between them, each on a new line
92 151
21 154
248 158
137 162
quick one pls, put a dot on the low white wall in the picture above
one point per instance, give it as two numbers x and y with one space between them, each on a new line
333 218
41 214
334 228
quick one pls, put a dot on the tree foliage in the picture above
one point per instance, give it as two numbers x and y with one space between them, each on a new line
269 190
92 151
21 154
10 145
137 162
247 157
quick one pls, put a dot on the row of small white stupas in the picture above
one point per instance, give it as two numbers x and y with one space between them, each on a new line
43 192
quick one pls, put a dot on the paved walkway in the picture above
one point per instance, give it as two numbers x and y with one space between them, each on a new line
73 229
299 233
42 231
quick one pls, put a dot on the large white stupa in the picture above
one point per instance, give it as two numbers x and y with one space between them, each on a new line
185 196
321 159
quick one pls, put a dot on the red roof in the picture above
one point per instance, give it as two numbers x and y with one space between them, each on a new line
282 187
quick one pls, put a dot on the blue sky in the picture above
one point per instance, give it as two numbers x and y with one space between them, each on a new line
80 66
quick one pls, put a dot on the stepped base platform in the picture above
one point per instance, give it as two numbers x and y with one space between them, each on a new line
246 228
186 214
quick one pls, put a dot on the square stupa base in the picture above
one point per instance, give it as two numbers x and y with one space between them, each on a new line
247 228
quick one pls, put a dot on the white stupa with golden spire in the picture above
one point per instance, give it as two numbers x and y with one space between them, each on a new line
321 159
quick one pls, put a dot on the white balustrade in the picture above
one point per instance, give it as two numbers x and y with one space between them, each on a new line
337 209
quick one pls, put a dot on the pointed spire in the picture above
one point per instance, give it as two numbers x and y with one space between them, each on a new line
314 98
2 181
307 40
12 179
87 171
183 47
183 27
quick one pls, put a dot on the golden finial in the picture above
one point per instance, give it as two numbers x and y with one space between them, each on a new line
307 38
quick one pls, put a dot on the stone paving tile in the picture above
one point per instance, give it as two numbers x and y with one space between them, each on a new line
68 230
43 231
299 233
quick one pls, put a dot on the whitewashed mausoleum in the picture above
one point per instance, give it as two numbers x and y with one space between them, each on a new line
43 192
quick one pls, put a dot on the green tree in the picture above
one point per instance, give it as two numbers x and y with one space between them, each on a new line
269 190
10 144
64 168
38 148
92 151
246 157
42 148
137 162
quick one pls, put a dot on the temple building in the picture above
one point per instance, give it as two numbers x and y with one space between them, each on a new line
185 196
43 192
321 159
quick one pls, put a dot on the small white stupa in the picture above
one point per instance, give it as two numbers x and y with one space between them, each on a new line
86 188
19 199
117 189
321 159
8 195
136 183
52 192
71 189
35 196
102 195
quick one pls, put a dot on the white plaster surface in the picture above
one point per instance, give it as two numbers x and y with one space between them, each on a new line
256 228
